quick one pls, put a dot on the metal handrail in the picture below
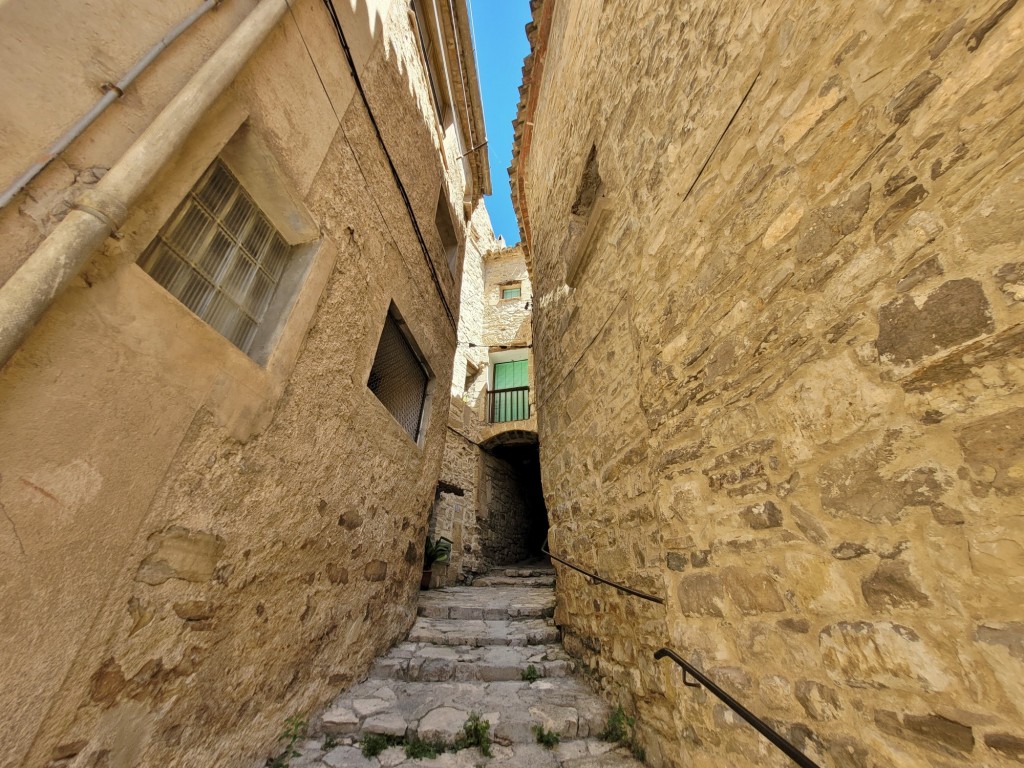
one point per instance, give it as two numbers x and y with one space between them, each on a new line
516 399
595 577
760 725
757 723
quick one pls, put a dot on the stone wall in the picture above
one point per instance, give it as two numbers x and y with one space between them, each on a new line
785 391
196 546
507 322
456 511
506 518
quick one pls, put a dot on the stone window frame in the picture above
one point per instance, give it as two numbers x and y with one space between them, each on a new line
247 158
587 216
511 285
447 232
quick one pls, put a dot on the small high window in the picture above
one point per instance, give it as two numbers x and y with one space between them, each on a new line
590 186
220 256
426 24
398 378
446 231
511 291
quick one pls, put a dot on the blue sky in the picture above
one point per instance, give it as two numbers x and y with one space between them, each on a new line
499 26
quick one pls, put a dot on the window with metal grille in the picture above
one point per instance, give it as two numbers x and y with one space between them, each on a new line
220 256
398 378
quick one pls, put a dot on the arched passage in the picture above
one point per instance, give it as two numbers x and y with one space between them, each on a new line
512 519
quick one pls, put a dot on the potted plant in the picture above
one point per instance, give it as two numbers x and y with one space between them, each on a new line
436 551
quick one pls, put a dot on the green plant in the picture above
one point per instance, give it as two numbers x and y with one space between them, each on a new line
548 739
294 728
637 751
417 748
437 551
373 744
621 728
330 743
530 674
476 732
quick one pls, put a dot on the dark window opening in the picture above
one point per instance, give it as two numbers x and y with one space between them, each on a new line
398 378
446 230
590 187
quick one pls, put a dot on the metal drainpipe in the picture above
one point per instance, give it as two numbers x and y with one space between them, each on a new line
114 91
102 209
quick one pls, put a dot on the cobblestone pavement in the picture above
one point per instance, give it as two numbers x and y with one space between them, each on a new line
467 653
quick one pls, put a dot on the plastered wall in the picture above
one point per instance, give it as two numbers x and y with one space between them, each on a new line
194 546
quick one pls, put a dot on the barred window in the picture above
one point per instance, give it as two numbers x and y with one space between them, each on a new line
398 378
220 256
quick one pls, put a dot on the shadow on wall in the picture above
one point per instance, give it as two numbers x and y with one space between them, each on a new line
513 519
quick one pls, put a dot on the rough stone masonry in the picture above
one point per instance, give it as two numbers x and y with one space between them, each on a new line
779 277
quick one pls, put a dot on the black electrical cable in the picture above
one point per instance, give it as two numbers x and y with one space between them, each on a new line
329 5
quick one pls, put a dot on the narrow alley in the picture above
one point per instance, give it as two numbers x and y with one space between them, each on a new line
491 650
590 384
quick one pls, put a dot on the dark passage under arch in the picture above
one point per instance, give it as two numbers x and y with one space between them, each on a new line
513 519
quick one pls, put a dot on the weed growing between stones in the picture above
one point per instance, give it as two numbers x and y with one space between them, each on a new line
375 743
476 732
417 748
618 726
294 728
621 728
530 674
548 739
330 743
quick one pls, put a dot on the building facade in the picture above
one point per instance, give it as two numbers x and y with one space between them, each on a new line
776 252
221 432
489 501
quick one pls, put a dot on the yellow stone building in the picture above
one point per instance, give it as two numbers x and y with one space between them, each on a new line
761 342
776 254
228 319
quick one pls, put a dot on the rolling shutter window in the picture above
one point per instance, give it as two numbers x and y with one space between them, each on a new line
398 379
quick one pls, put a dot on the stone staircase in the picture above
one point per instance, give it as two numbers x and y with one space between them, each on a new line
471 650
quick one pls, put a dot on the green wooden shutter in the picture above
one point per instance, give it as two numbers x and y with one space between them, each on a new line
520 374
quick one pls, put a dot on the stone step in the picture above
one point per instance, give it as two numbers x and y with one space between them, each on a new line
514 581
517 572
509 602
566 706
575 753
478 632
420 662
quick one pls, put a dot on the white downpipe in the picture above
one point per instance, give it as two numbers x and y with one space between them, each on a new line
102 209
